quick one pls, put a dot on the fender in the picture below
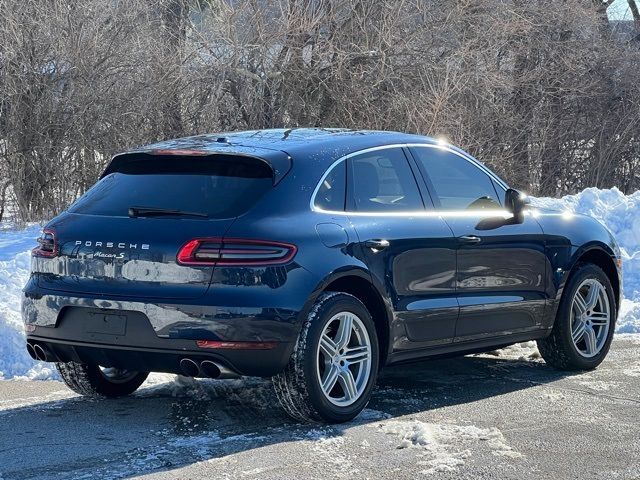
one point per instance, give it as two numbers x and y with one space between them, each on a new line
576 254
569 237
563 271
349 271
345 272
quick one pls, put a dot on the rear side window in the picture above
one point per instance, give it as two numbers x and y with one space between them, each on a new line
382 181
457 183
331 193
217 188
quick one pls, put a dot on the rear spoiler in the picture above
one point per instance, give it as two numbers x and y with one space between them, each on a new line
278 161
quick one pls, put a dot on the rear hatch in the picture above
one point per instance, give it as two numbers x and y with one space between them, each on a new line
122 237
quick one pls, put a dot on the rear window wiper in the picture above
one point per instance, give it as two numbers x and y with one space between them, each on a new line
162 212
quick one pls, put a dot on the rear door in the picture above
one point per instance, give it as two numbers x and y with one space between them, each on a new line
500 278
410 251
122 237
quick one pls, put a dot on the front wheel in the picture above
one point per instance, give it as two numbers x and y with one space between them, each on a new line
334 366
585 322
95 381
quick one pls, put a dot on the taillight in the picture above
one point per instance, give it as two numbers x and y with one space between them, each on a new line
47 245
235 252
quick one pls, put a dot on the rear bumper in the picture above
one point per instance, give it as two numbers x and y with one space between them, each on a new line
154 335
231 313
260 363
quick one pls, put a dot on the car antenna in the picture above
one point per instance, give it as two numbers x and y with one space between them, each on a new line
287 133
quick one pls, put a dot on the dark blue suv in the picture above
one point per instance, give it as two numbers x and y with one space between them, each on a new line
313 256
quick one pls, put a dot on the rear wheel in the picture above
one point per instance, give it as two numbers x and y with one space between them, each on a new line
585 322
334 365
96 381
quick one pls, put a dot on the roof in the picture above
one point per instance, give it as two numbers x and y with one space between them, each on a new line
278 147
292 141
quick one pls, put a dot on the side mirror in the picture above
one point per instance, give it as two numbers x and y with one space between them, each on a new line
515 202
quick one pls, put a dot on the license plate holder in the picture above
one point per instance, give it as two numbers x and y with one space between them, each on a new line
106 324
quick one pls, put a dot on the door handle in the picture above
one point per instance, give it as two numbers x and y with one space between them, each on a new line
377 244
469 239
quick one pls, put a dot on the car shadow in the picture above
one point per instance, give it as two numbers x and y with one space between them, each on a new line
175 424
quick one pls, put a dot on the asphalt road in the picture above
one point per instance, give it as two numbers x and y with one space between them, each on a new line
502 417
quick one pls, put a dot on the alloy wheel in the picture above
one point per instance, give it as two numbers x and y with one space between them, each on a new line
590 318
344 359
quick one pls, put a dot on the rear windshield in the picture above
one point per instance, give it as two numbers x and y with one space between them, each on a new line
216 188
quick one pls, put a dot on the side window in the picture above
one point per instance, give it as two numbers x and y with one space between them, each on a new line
500 191
382 181
331 194
457 183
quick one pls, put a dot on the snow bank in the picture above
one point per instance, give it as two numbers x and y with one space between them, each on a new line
619 212
15 259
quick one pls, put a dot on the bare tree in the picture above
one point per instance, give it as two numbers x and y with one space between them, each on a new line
540 90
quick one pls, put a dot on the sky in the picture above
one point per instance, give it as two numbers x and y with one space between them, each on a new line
620 10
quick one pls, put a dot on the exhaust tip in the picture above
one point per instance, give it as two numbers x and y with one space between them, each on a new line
217 370
189 367
40 353
31 351
210 369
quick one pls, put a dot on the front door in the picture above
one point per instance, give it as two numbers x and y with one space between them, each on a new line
500 278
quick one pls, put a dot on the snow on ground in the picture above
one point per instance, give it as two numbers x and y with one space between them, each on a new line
619 212
525 351
441 443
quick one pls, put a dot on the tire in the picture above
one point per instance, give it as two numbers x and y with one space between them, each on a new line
92 381
299 387
559 349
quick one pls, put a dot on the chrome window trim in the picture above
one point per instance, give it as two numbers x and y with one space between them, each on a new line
421 213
